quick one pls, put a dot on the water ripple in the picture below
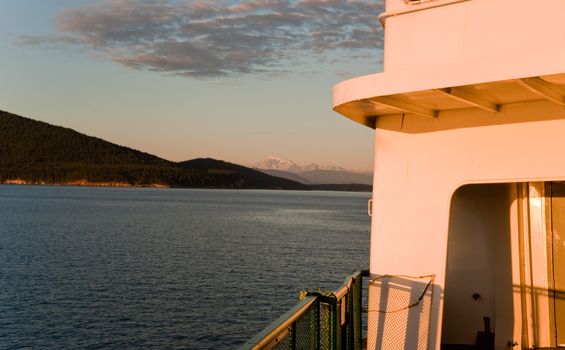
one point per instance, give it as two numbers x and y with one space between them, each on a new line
99 268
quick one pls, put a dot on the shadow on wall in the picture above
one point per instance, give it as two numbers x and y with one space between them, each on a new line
546 307
400 312
537 292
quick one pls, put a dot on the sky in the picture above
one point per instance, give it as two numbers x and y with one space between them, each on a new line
231 80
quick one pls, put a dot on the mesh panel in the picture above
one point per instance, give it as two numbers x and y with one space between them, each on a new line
399 313
325 326
283 341
303 333
307 329
326 323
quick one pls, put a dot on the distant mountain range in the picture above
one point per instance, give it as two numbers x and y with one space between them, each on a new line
279 163
312 174
34 152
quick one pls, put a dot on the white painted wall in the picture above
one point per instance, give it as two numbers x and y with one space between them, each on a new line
471 31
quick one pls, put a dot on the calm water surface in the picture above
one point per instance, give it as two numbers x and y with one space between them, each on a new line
110 268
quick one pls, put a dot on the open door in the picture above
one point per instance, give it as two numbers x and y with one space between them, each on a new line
478 308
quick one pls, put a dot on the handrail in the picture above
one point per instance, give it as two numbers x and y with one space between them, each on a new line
339 329
417 7
269 334
344 289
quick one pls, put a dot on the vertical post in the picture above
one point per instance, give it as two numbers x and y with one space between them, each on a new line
337 322
523 223
356 301
318 323
345 322
293 335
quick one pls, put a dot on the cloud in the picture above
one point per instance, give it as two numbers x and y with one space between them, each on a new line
207 39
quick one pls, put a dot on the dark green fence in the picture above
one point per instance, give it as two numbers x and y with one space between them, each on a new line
322 320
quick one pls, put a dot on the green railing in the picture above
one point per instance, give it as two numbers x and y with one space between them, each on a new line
321 320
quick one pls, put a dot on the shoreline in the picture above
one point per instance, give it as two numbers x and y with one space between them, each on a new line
116 184
80 183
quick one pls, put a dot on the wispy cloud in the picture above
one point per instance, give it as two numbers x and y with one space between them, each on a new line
206 39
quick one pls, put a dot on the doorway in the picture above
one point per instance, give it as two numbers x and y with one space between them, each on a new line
478 300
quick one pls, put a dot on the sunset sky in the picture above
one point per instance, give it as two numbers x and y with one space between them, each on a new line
233 80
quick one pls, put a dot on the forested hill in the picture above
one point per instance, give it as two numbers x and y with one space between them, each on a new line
250 176
27 140
40 153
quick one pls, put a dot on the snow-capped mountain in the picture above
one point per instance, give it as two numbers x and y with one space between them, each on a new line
312 173
278 163
283 164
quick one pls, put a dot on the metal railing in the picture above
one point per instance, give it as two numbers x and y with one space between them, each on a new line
321 320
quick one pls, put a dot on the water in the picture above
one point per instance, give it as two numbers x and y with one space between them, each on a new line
100 268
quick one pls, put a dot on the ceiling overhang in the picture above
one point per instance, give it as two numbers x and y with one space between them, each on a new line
486 85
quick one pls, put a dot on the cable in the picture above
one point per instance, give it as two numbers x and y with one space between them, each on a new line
416 303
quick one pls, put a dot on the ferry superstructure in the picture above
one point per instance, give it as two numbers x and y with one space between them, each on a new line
468 203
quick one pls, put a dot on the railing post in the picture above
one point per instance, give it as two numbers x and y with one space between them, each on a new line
293 336
356 300
319 325
337 320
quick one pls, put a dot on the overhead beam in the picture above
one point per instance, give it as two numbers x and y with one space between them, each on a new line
370 121
404 106
470 98
541 87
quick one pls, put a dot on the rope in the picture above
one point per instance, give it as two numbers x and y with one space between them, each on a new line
416 303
